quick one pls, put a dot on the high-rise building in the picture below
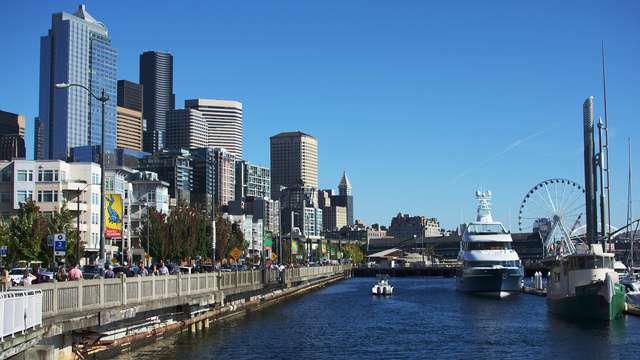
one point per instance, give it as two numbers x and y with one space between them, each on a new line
224 123
156 77
334 218
11 136
294 161
186 128
214 176
129 95
344 197
174 167
252 180
129 129
77 50
38 140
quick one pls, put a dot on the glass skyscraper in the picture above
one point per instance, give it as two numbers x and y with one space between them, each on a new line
77 50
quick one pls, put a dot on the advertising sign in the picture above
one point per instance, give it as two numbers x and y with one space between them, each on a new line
268 241
294 247
113 215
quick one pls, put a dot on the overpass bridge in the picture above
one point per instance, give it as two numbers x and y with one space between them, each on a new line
77 315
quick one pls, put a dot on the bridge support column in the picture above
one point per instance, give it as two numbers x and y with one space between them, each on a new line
206 323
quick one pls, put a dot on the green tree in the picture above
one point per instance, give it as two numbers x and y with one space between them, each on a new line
156 228
28 230
223 232
353 252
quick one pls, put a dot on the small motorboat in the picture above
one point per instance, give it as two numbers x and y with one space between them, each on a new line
382 287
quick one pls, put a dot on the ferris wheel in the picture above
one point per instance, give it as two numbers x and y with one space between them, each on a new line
555 208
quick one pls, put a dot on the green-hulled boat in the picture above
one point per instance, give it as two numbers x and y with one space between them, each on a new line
584 285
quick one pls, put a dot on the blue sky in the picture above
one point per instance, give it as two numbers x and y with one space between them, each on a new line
421 102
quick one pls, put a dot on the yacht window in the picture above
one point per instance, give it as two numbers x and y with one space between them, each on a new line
485 229
488 245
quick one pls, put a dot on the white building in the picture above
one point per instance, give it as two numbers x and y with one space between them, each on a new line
252 229
52 184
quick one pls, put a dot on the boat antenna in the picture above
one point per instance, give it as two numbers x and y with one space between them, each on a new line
605 160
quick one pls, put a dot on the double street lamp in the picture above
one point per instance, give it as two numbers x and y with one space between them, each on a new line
103 98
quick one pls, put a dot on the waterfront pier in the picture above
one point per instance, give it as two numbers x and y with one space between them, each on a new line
87 317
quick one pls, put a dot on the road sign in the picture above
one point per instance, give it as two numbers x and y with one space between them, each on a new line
235 253
3 251
274 256
59 244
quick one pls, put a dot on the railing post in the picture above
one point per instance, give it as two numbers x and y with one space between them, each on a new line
139 279
124 290
179 284
166 287
101 294
80 293
54 294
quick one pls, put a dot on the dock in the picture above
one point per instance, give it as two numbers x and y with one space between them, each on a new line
631 309
534 291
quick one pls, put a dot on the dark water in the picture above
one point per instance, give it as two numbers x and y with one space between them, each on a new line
425 318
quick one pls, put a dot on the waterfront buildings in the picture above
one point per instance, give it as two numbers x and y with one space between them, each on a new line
147 192
174 167
404 227
334 218
129 129
294 161
252 180
344 197
214 176
76 50
185 128
224 123
11 136
53 184
156 77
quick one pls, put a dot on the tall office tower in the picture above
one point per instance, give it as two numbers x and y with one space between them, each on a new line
11 136
129 129
344 197
224 123
38 140
77 50
174 167
214 176
252 180
129 95
156 77
294 161
186 128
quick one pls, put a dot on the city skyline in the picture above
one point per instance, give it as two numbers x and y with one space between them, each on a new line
505 119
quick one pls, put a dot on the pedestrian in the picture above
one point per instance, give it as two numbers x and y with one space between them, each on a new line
26 278
142 271
75 273
163 269
62 274
154 270
5 280
108 273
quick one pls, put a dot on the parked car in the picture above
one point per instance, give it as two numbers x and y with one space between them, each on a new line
91 271
16 275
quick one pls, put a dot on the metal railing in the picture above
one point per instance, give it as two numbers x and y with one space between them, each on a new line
20 310
59 298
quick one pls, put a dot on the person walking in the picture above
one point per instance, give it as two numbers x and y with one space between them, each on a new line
154 270
26 278
108 273
163 269
61 275
75 273
5 280
142 271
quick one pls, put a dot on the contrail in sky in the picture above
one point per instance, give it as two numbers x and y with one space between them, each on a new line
512 146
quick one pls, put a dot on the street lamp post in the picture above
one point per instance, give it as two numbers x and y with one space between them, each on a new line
103 99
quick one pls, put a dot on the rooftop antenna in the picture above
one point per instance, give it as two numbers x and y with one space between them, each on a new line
605 157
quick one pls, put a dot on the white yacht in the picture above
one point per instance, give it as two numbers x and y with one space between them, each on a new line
382 287
489 265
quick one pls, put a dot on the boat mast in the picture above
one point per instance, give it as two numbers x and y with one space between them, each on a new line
630 207
603 219
605 158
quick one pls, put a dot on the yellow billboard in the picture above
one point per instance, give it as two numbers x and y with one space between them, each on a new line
113 218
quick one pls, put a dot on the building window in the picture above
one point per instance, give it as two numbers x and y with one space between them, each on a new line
95 199
24 195
63 176
5 197
94 218
6 176
95 179
47 175
151 196
47 196
24 175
